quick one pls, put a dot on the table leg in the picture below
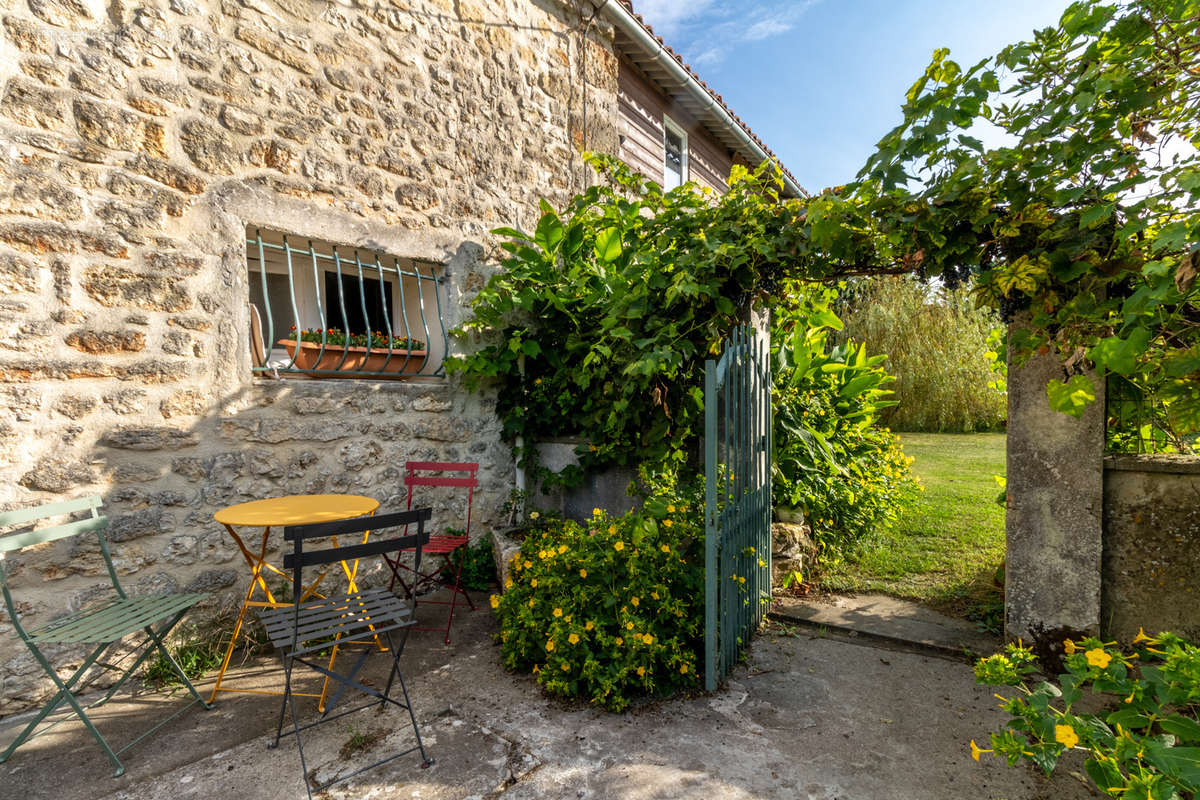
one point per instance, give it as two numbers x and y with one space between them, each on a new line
256 564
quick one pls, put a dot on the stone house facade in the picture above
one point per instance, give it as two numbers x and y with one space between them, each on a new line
146 142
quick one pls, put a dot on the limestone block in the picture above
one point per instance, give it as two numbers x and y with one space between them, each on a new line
97 342
27 36
28 104
75 406
136 524
114 286
152 438
176 177
184 403
19 274
58 474
126 401
208 147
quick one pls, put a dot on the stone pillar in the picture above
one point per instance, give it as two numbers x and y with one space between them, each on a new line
1054 523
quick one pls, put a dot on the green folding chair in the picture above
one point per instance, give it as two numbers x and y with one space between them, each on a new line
103 625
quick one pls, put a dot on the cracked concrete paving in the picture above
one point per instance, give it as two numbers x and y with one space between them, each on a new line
804 717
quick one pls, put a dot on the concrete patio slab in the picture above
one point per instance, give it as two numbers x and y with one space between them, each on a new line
803 717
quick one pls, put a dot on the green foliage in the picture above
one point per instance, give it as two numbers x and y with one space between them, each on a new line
1145 744
336 337
612 306
196 651
941 348
1083 226
850 477
613 608
478 564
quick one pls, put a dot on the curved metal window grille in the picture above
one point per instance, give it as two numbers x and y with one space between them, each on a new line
324 310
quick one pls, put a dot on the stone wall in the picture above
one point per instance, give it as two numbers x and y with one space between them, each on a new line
137 142
1151 546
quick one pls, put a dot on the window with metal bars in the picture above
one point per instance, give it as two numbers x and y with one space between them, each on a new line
324 310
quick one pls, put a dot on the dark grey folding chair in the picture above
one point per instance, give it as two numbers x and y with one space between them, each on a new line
303 630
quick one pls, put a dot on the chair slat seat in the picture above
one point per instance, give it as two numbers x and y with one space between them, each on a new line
113 620
443 545
352 617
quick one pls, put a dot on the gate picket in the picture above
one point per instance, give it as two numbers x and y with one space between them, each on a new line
737 465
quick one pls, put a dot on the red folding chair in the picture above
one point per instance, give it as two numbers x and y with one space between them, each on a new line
465 475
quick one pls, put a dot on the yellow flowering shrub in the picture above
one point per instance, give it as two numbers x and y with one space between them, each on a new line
1144 745
604 623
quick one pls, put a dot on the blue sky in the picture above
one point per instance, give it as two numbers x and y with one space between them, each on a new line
821 81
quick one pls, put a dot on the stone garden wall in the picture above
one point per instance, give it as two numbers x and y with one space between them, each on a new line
1151 546
137 142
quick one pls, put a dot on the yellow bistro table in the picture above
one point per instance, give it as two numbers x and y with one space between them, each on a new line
279 512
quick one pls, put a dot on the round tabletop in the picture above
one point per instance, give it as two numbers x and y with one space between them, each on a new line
297 510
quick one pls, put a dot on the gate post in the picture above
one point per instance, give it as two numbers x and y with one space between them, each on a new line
1053 524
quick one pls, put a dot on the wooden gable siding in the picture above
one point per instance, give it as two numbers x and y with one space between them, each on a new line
641 109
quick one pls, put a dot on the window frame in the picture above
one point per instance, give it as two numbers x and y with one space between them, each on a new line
417 311
671 126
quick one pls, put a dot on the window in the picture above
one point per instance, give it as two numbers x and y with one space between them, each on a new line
675 161
356 313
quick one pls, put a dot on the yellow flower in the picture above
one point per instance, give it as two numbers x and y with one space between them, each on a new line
495 601
683 669
666 548
566 667
531 602
1098 658
562 548
508 583
628 626
648 639
1066 736
636 601
976 750
573 638
670 509
1142 637
549 645
589 625
558 612
583 573
533 583
641 671
620 641
528 564
619 546
534 515
654 595
1070 647
612 530
596 512
741 578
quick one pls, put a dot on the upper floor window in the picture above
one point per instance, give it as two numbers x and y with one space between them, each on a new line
675 159
330 311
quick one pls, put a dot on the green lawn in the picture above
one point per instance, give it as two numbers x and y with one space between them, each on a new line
947 549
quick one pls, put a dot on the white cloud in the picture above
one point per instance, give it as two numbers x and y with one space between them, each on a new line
706 31
667 16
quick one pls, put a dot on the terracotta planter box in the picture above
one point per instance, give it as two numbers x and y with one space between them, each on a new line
358 360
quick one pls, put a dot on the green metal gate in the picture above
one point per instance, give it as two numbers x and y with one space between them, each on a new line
737 465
